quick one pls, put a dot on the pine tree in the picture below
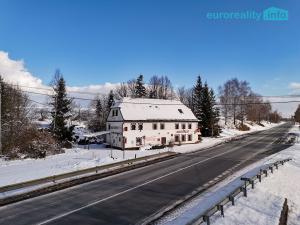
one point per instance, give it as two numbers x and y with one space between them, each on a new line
110 100
297 115
98 126
61 109
206 114
140 90
97 121
215 114
197 100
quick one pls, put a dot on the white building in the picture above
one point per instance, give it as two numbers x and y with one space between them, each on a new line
139 122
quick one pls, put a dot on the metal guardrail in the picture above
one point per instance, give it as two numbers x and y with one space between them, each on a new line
205 217
96 170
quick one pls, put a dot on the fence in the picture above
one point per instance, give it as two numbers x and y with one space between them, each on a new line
83 172
219 207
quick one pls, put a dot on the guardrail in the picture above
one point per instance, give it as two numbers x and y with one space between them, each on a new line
93 170
205 217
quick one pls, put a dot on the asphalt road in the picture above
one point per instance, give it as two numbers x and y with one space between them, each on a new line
130 197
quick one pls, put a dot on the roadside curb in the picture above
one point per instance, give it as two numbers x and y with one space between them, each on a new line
113 170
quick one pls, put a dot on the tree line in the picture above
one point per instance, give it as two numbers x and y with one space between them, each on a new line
236 102
297 115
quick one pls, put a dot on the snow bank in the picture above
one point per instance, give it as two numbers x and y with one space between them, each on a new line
264 203
17 171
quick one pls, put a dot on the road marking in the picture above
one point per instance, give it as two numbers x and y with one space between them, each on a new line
141 185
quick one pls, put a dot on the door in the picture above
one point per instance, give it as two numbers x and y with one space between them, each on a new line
163 140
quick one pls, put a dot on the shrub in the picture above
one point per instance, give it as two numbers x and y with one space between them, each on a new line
34 143
242 127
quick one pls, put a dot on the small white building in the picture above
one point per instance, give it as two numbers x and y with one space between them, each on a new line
136 122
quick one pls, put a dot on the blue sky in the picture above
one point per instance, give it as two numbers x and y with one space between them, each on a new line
94 42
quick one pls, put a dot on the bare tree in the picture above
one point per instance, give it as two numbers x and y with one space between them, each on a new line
153 86
160 88
131 88
185 95
122 91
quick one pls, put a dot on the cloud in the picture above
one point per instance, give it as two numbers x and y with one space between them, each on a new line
294 86
15 72
285 105
95 89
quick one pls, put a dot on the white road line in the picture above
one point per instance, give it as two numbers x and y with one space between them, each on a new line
138 186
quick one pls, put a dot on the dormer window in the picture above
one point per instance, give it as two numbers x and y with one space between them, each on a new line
180 111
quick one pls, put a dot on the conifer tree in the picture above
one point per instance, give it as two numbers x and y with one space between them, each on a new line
197 100
215 114
206 114
98 120
110 100
297 115
61 109
140 90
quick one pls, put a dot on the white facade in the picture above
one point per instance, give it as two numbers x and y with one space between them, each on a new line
138 122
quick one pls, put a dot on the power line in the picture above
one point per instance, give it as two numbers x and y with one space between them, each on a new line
40 103
93 93
218 104
50 89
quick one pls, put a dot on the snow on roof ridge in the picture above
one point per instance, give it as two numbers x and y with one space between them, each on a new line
149 101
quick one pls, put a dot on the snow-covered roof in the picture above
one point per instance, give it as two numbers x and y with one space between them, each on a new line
153 109
96 134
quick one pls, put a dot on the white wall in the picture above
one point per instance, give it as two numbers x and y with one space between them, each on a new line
148 135
153 137
115 136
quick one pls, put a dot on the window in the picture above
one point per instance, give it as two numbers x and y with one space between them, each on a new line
162 126
176 138
154 126
109 126
116 112
113 113
138 141
133 126
124 140
189 137
183 137
180 110
119 139
140 126
183 126
125 128
189 126
176 126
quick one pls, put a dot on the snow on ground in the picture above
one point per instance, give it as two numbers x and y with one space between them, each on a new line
263 204
17 171
228 132
73 159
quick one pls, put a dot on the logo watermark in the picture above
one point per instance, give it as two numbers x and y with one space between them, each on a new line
269 14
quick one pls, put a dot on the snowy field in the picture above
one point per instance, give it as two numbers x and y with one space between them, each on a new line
263 204
78 158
